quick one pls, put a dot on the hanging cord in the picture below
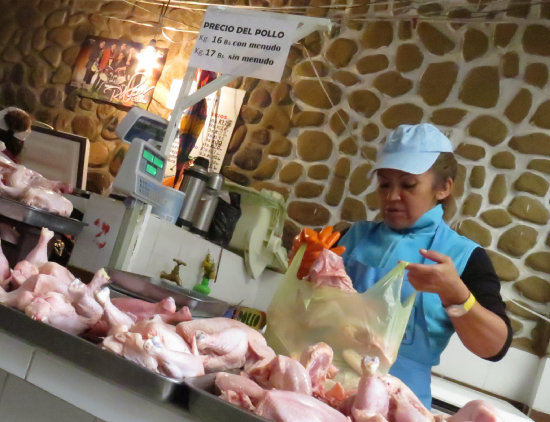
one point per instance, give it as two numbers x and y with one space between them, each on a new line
525 308
347 131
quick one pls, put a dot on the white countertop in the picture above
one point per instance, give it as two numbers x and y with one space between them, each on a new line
458 395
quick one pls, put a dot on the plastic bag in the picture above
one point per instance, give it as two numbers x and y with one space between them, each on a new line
225 220
353 324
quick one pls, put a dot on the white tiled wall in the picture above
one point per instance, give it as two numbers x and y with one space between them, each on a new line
37 386
22 401
512 377
106 401
540 398
16 355
166 241
236 286
3 378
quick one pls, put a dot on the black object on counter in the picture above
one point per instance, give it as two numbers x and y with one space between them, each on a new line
225 220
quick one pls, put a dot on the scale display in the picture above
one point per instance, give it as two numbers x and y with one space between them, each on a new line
141 124
146 129
141 174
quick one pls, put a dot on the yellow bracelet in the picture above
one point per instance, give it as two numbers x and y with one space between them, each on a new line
470 302
459 310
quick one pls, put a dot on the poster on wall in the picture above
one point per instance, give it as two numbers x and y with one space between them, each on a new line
118 71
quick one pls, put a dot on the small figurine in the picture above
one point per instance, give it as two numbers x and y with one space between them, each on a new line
208 273
174 275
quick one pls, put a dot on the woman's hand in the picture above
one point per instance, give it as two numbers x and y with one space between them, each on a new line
440 278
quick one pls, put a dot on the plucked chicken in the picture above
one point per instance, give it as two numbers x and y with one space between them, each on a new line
31 188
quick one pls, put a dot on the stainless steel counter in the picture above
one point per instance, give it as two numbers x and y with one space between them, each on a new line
195 397
39 218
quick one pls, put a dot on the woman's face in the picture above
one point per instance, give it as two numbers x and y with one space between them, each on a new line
405 197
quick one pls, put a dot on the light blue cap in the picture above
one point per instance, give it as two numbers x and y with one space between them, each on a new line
413 148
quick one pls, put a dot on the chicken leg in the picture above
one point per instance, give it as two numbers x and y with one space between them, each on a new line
39 254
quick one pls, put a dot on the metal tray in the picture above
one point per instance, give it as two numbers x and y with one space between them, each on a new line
87 355
154 289
199 396
39 218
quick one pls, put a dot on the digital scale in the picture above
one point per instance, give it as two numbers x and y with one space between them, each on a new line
141 174
142 170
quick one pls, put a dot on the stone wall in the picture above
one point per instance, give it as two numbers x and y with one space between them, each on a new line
315 135
39 42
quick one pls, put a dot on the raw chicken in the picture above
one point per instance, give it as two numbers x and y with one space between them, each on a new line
5 270
55 309
140 309
19 298
283 406
474 411
386 398
47 200
35 286
223 350
239 384
39 254
131 347
172 363
328 270
25 185
258 350
317 360
84 303
165 333
57 271
21 272
118 321
277 405
19 177
184 314
82 295
372 401
153 355
282 373
37 257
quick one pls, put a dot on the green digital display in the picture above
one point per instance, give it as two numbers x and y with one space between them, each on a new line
151 170
148 156
158 162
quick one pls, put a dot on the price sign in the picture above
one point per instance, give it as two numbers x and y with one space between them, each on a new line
244 43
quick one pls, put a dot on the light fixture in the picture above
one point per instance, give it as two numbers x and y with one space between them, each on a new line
148 58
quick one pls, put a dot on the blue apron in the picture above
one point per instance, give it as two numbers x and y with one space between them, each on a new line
372 250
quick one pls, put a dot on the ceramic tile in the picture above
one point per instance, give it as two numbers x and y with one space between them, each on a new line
18 394
233 283
3 378
512 377
458 395
16 355
269 281
539 400
460 364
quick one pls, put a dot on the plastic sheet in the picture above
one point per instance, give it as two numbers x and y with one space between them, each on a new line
353 324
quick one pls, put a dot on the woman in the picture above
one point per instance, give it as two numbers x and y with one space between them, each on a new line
458 289
15 126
